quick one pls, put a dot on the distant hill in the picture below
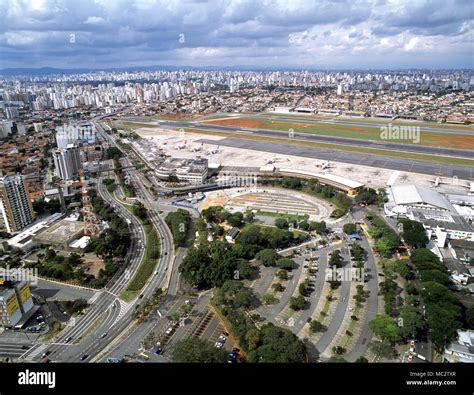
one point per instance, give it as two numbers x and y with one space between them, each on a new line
42 71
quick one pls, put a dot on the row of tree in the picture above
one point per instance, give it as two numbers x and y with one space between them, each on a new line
179 223
267 344
387 240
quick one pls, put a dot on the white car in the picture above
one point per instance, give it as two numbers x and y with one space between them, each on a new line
219 345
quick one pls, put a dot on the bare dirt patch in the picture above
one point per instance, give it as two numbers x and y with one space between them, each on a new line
92 264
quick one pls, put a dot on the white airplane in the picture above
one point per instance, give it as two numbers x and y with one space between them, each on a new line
325 165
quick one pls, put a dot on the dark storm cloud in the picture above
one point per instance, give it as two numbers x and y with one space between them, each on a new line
100 33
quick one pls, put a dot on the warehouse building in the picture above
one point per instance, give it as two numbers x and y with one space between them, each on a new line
404 198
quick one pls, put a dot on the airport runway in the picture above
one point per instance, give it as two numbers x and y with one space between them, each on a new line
374 144
462 172
349 123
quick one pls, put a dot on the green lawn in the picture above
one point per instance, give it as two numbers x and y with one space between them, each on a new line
147 265
289 217
361 132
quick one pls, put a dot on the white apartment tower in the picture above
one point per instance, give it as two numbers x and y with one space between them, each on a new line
67 162
15 206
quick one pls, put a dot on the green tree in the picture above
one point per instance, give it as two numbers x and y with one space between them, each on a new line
383 348
384 327
253 338
249 216
267 257
318 227
278 345
277 287
304 225
414 233
336 259
282 274
315 326
243 298
366 196
236 219
139 210
297 303
286 263
179 222
281 223
268 299
411 322
195 350
349 228
114 153
244 268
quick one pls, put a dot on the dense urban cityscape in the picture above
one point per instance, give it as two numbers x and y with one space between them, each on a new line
204 214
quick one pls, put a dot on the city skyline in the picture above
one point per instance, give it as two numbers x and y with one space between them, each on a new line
231 34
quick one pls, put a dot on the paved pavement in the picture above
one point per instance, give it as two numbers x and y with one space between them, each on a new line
377 161
60 291
372 301
341 310
376 144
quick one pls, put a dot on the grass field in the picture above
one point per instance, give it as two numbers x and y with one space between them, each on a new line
288 217
349 131
400 122
139 125
146 267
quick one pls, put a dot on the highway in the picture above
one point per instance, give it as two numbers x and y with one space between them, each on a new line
106 307
108 317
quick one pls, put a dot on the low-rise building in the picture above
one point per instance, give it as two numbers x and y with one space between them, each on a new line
443 226
232 235
461 350
407 197
188 170
462 250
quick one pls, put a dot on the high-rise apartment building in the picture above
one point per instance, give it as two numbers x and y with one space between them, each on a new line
15 302
15 206
67 162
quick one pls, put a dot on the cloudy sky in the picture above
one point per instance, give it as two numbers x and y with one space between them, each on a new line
301 34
